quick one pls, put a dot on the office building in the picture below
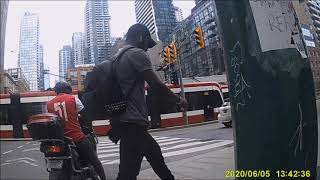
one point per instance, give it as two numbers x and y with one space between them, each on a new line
179 15
208 60
158 16
29 59
65 61
97 31
46 78
78 48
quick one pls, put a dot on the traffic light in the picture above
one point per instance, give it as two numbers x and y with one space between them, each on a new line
199 37
166 55
174 78
173 52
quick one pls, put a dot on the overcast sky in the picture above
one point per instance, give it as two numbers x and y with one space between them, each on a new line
59 19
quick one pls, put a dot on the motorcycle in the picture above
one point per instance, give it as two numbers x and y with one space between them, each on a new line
61 158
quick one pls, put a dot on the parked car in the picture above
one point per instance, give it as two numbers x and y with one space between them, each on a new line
224 115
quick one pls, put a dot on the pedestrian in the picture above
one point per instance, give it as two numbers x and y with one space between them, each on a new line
133 69
67 107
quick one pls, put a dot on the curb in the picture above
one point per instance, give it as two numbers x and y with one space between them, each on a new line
183 126
150 130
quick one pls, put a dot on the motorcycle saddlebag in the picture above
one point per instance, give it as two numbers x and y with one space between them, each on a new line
45 126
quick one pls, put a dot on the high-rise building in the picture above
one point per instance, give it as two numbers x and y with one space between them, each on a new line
195 61
78 48
65 61
198 1
97 31
158 16
178 13
46 78
41 68
3 22
29 50
308 13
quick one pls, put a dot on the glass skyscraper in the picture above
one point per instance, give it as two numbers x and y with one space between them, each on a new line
65 61
78 48
158 16
97 31
30 55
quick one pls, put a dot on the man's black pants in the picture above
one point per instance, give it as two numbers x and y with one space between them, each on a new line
86 152
136 143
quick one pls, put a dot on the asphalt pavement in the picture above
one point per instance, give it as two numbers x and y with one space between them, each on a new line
23 160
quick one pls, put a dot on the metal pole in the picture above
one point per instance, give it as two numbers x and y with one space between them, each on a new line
182 93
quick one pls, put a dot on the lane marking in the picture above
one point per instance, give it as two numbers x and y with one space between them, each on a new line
7 152
20 146
107 147
196 149
27 142
117 161
160 137
160 144
108 155
175 153
24 158
30 149
27 162
3 164
189 144
109 150
175 142
166 140
116 148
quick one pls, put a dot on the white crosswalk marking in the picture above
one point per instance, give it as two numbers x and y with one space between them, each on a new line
108 152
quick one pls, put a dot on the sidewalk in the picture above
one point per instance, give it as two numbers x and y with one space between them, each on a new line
212 165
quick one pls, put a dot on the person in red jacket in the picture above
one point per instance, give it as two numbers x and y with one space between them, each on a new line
67 107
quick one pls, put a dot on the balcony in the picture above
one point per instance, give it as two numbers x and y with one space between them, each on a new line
212 35
212 27
209 20
313 10
316 23
315 17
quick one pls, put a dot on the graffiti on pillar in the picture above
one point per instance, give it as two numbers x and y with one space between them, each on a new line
298 135
241 90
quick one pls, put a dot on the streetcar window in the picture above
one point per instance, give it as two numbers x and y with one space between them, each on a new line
196 100
4 115
33 108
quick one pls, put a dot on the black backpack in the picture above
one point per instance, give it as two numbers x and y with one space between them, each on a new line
103 96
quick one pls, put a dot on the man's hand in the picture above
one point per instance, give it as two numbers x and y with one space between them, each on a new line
183 104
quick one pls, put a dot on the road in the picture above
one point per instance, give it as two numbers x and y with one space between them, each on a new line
23 160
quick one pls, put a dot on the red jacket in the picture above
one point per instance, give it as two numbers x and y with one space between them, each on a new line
64 106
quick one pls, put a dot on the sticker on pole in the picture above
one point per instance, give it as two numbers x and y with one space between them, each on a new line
276 25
